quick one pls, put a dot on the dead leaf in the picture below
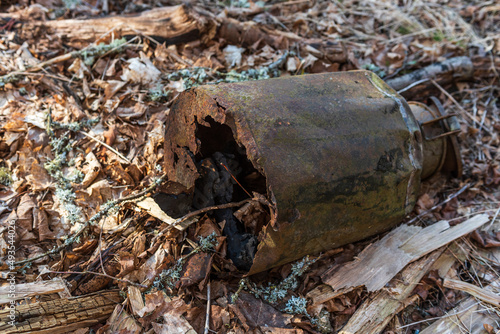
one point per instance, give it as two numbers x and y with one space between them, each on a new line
41 224
38 178
141 70
79 68
257 314
91 169
25 212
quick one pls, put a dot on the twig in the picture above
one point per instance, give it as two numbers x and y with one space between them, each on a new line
439 204
215 207
494 218
438 86
44 75
207 315
95 218
98 274
200 211
105 145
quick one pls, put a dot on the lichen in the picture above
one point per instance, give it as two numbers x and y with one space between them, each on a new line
61 146
5 176
168 278
274 293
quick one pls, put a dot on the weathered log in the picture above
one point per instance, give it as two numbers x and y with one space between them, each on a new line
61 315
172 25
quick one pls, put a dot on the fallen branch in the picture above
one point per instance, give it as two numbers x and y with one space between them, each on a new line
192 214
453 69
98 274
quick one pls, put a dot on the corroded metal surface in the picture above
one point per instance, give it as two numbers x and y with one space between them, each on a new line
341 153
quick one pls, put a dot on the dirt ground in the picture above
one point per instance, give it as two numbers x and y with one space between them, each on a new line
83 105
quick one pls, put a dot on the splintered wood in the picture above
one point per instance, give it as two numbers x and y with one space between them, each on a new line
27 290
61 315
377 264
482 294
375 313
470 316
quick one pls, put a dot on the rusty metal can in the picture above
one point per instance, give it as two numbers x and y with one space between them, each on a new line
342 154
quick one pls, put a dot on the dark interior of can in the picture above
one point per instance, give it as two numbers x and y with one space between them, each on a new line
226 176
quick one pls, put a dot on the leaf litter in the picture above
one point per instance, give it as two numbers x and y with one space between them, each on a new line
82 130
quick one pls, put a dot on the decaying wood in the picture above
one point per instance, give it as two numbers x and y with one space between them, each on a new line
374 315
453 69
470 316
61 315
177 24
27 290
378 263
480 293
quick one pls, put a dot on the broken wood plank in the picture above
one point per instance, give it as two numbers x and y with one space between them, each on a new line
176 24
378 263
32 289
374 314
60 315
470 316
480 293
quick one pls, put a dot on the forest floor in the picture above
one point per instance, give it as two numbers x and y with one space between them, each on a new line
82 116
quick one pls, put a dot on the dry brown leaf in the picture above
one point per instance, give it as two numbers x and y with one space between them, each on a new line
150 269
121 322
91 169
25 212
38 178
41 224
